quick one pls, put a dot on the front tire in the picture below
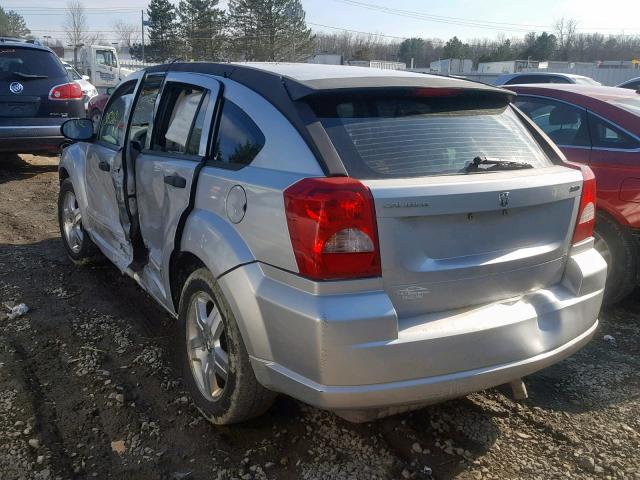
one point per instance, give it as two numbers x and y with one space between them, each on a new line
620 250
215 362
77 243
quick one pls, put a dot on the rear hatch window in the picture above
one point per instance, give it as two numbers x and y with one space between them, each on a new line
396 136
22 63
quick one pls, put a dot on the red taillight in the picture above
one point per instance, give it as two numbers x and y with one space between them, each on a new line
587 211
66 91
332 224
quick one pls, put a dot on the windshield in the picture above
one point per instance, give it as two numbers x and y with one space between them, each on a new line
28 61
387 137
629 104
106 57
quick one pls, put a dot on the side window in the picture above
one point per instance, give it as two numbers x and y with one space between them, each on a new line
607 135
114 119
193 148
177 114
556 79
239 138
565 124
142 115
520 79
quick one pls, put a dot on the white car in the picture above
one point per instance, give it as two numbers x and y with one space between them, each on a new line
88 90
543 77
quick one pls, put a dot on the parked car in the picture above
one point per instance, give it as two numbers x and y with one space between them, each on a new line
543 77
362 240
599 127
96 106
36 97
88 90
633 84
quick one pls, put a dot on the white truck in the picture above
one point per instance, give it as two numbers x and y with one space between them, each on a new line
102 66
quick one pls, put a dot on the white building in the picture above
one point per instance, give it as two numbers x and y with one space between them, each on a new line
509 66
451 66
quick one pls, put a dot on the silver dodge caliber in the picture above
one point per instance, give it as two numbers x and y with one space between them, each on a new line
366 241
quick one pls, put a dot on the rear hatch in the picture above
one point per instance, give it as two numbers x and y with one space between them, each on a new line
451 235
27 75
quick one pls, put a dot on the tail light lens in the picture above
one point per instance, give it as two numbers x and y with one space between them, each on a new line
66 91
332 225
587 211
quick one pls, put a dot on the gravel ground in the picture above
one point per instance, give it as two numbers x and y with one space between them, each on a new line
88 389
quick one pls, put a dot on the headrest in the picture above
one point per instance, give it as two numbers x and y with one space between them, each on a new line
563 116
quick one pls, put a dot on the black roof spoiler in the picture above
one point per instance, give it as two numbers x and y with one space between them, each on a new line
298 89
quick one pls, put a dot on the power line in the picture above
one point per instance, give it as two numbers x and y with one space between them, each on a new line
486 24
439 18
356 31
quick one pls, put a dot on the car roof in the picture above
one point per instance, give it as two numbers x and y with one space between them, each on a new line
23 44
302 79
509 76
598 92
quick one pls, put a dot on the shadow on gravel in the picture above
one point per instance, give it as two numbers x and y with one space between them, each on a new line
13 167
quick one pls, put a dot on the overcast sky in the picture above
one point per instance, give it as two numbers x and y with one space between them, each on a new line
402 18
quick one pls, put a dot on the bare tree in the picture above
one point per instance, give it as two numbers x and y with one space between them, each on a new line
95 38
75 26
566 34
127 33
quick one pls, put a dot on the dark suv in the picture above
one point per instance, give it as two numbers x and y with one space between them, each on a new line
36 97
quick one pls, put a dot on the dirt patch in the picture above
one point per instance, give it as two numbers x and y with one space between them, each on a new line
88 389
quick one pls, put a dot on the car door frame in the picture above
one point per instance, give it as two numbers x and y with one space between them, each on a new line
147 276
563 147
119 254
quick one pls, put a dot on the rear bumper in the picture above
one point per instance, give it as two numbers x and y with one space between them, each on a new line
32 138
420 391
345 350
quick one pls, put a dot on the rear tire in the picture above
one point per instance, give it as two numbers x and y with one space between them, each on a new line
76 240
215 363
620 250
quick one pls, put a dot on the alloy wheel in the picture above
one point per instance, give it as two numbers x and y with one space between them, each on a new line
207 346
72 222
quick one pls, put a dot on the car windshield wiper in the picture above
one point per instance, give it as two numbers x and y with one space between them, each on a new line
28 76
494 165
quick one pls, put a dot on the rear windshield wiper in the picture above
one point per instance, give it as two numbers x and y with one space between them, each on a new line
28 76
494 165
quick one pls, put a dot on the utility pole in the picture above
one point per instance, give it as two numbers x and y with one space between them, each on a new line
142 17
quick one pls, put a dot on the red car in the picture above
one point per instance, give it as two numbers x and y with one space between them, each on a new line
599 127
96 106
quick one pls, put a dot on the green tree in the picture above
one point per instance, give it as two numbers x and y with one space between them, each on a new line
201 26
539 47
12 24
413 48
454 48
269 30
163 37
